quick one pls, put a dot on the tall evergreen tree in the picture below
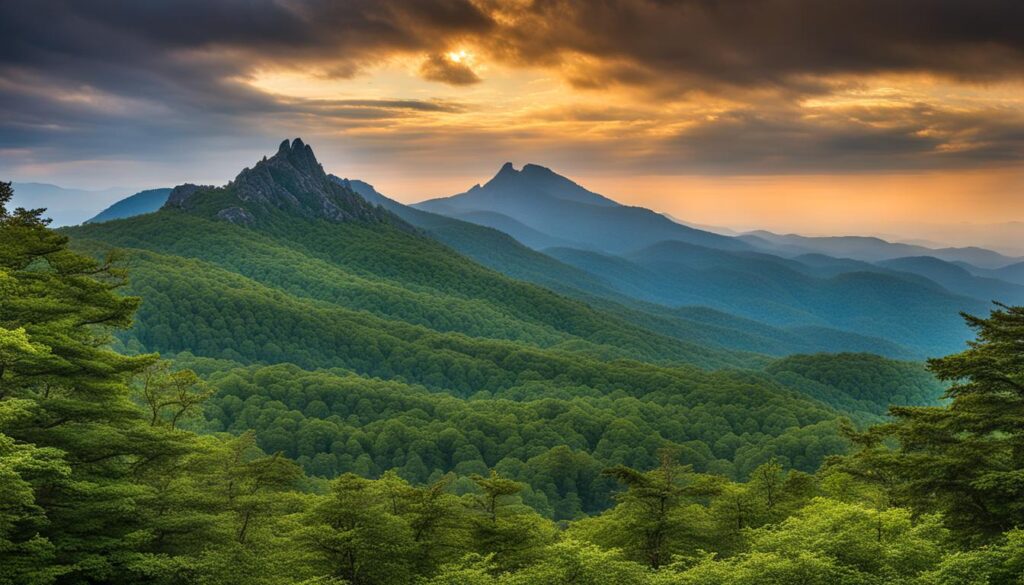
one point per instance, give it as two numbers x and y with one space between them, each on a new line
76 450
655 517
964 459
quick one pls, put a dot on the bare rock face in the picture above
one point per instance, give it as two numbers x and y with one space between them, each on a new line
236 215
181 195
292 181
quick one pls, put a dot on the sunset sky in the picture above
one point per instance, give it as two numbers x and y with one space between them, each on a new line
813 116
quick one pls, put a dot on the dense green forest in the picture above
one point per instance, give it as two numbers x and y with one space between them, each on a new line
505 372
105 479
364 345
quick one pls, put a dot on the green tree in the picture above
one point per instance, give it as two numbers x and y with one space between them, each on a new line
357 536
829 542
574 563
654 518
965 459
28 557
503 527
89 494
169 396
254 483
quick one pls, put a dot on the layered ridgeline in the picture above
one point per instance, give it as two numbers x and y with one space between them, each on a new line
543 209
758 292
353 341
498 250
868 249
805 286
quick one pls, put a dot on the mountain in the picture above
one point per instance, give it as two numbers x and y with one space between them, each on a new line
285 227
292 184
1013 273
491 247
959 280
64 206
840 303
905 309
868 249
350 338
137 204
701 325
542 208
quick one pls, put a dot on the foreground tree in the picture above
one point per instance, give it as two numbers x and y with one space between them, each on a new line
72 403
964 459
503 527
656 517
94 489
829 542
357 536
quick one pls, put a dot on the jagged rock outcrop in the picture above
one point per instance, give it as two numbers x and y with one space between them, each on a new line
181 195
292 181
236 215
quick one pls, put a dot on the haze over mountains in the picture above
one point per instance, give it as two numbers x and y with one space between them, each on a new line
869 249
65 206
535 202
770 293
142 202
791 282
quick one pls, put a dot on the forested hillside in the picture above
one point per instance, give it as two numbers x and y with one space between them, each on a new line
710 328
112 473
255 277
827 287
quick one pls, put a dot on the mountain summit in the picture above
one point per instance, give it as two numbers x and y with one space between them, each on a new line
543 209
291 181
535 181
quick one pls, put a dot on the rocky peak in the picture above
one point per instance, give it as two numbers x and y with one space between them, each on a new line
180 196
292 181
507 174
300 155
531 169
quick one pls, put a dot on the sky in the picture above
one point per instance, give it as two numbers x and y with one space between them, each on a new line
845 116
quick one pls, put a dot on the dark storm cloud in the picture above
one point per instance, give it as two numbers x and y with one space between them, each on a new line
738 41
771 42
440 68
786 142
189 58
95 78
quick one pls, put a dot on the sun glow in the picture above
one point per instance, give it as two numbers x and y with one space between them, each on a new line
459 56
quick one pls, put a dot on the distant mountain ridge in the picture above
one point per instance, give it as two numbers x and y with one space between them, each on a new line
901 307
65 206
958 279
499 251
553 205
142 202
803 293
1013 273
869 249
